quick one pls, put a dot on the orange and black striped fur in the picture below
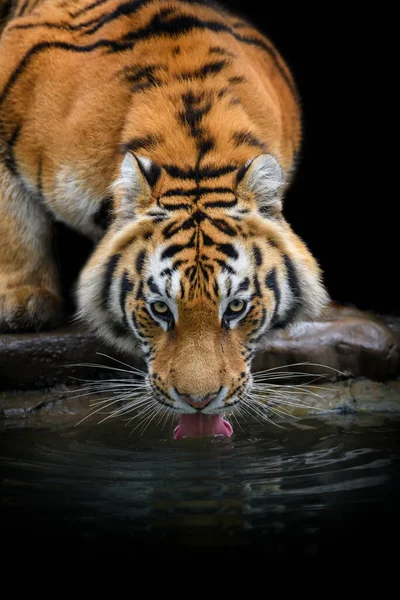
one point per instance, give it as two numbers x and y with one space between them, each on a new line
167 131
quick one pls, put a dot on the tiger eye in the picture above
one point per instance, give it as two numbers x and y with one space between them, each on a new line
160 308
236 306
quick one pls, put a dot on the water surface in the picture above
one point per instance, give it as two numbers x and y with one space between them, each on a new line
315 488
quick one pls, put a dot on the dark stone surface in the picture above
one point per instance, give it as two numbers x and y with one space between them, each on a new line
33 361
355 343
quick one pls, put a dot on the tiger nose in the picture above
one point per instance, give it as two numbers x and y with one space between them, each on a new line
197 402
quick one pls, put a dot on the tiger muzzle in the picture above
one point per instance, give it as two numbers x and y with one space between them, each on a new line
196 402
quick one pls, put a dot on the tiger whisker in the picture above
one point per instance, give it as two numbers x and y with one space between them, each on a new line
146 414
97 410
125 409
300 364
109 391
299 388
267 406
242 412
296 385
233 413
282 399
294 390
157 412
112 390
281 381
147 408
166 411
137 415
265 417
246 411
288 375
268 393
288 393
169 415
133 400
142 415
282 413
130 367
98 366
118 380
250 406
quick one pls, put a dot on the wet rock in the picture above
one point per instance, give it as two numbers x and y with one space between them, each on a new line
40 360
346 340
349 342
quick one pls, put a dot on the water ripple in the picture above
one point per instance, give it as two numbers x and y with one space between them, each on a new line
261 482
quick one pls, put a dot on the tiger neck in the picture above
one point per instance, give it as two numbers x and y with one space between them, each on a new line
189 139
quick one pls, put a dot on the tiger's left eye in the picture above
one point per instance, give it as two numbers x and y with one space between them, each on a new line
234 309
160 308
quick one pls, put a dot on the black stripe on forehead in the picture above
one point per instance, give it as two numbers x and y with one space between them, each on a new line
229 250
168 285
171 250
197 191
223 226
243 286
220 203
153 287
228 286
225 267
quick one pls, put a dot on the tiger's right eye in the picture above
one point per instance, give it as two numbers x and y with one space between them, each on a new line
161 311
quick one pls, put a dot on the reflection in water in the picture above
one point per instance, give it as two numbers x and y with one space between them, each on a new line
274 492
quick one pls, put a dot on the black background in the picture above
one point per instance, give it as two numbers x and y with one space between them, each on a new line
343 199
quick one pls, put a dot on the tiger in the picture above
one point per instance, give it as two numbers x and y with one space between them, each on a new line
167 132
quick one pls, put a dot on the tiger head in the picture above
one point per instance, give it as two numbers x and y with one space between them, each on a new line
195 275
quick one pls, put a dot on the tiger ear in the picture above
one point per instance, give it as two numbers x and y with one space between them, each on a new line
133 189
262 180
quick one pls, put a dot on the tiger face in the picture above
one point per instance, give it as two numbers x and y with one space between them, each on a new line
194 277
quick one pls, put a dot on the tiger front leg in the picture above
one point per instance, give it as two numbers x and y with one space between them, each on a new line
30 297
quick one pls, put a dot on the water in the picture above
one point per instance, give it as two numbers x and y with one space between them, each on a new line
314 489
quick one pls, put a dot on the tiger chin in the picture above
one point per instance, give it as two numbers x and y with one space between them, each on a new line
187 142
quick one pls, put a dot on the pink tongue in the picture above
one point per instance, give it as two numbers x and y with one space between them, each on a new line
199 424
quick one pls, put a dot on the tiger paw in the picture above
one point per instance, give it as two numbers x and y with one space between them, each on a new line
29 308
